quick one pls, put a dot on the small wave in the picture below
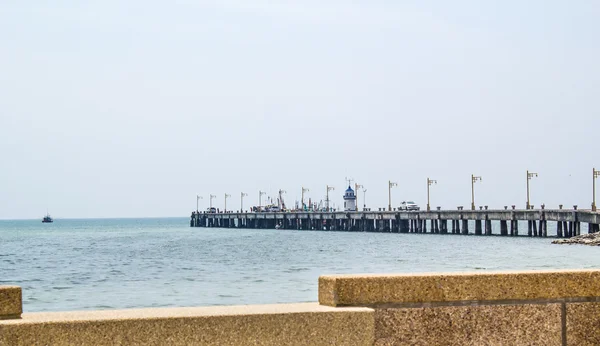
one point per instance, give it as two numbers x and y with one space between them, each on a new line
295 270
61 287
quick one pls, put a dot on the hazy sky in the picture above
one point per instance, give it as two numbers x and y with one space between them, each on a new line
130 108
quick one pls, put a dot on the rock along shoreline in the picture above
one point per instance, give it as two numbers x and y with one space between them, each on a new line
584 239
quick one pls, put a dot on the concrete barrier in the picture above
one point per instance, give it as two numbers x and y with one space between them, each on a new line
283 324
361 290
501 308
11 305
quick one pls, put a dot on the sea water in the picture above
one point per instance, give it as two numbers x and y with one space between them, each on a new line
135 263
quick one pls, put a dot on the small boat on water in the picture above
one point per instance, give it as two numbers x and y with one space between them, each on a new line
47 219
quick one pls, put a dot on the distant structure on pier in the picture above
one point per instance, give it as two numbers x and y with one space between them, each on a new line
349 200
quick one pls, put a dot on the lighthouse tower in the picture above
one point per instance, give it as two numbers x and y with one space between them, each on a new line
349 200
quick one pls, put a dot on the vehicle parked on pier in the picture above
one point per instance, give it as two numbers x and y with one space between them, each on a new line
211 210
272 209
409 206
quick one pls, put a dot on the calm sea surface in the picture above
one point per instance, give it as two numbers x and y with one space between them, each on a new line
131 263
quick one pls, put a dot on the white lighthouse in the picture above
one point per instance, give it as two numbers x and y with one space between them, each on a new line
349 200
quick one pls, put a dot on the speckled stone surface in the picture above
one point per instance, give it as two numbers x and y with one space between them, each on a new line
583 324
356 290
284 324
470 325
11 305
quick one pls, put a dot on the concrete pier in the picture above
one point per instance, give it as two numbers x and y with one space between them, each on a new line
485 222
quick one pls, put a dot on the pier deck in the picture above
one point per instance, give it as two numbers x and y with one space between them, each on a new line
567 221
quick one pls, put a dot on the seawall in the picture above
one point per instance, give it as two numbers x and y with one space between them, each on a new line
495 308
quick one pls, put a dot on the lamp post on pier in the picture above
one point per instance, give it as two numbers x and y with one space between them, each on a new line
364 199
595 174
260 194
429 183
529 176
211 198
356 188
302 199
329 188
280 199
226 196
243 194
390 185
198 197
474 179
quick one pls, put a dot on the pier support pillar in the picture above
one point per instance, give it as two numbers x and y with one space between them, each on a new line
488 227
478 230
465 227
529 228
503 228
544 228
559 230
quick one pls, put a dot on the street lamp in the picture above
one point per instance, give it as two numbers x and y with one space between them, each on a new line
329 188
474 179
281 192
260 194
429 183
529 176
198 197
595 174
243 194
302 199
211 198
356 187
390 185
364 199
226 196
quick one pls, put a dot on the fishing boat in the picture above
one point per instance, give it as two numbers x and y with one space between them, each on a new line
47 219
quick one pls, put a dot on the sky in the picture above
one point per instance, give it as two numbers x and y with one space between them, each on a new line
131 109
